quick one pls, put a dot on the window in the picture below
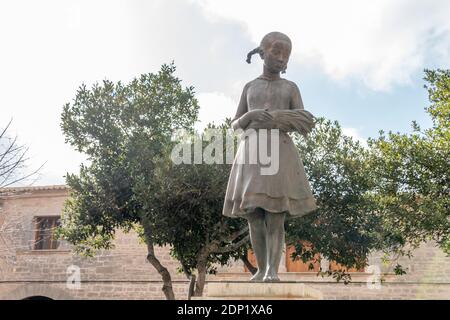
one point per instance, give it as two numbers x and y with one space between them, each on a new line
45 233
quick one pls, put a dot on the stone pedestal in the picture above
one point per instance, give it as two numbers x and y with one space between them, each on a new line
244 290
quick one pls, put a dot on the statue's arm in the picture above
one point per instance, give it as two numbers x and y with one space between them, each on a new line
296 98
240 121
304 122
250 119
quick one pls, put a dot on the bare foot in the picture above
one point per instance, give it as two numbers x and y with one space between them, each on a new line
258 276
271 276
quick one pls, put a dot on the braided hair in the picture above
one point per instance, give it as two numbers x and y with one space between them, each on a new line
249 55
266 42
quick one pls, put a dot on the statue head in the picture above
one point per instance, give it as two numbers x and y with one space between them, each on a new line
274 49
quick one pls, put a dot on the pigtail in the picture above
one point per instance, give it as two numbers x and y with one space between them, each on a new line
254 51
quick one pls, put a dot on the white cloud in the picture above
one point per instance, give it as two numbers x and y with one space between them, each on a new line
214 107
380 43
51 47
355 134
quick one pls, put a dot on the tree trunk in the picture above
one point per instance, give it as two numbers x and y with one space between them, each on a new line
201 278
202 262
167 280
214 246
191 287
249 265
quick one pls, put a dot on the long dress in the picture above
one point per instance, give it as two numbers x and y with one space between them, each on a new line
287 190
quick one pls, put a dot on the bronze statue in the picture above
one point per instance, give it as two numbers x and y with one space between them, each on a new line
274 104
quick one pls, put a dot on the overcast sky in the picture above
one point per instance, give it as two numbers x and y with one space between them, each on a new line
358 62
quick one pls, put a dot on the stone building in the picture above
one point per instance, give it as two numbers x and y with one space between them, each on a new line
33 264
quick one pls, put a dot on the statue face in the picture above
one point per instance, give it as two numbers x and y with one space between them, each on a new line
277 56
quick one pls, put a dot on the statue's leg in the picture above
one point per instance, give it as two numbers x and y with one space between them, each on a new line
257 227
275 244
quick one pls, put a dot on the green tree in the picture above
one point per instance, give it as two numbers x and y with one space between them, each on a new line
125 130
189 206
413 174
390 197
345 227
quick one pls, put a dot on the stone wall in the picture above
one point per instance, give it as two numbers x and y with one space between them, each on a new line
119 273
124 273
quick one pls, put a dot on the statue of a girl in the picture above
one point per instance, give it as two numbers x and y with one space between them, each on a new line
266 199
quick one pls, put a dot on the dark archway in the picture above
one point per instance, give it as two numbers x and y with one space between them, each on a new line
37 298
35 291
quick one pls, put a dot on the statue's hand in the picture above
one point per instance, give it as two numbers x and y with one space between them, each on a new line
259 115
263 124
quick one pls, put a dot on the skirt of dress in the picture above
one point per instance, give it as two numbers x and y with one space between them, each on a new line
284 189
